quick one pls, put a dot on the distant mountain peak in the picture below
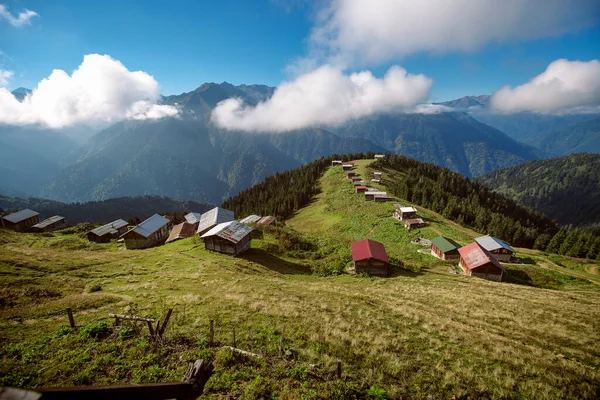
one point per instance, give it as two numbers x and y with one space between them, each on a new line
468 101
20 93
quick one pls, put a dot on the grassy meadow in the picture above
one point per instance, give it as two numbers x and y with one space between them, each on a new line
423 331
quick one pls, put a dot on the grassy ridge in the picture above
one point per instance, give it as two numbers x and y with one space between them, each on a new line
423 331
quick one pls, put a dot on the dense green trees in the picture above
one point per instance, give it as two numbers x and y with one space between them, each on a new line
566 189
466 202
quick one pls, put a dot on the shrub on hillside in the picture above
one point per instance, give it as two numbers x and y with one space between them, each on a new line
96 330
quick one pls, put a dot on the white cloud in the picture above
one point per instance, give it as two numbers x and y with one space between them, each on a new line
22 19
431 109
325 96
565 86
101 89
362 32
5 77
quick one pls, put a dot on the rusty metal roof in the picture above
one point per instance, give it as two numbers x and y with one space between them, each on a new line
233 231
20 215
214 217
110 228
268 220
250 219
414 221
475 256
367 248
181 231
48 221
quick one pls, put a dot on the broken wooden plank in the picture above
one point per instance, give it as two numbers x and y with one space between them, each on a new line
131 317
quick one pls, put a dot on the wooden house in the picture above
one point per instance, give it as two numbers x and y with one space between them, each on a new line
228 237
50 224
350 174
182 231
107 232
356 178
268 220
370 257
376 180
193 218
379 156
370 194
360 189
414 223
20 221
381 198
153 231
500 250
477 261
359 183
377 175
336 162
403 213
444 248
347 166
212 218
251 219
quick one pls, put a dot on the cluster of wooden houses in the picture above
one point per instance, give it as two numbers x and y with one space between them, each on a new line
29 221
360 185
217 228
480 258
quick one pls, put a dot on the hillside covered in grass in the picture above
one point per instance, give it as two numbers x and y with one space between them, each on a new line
422 332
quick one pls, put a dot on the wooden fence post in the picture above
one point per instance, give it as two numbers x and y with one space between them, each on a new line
150 328
71 319
211 335
339 369
165 322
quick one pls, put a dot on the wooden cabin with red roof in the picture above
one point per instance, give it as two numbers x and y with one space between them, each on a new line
360 189
477 261
370 257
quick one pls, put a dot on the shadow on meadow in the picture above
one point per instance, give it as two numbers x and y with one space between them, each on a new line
275 263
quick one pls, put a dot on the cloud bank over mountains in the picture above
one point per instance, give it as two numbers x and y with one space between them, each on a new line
101 89
325 96
355 33
564 86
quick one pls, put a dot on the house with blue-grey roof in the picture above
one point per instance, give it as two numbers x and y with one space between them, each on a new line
109 231
153 231
230 237
51 224
20 221
497 247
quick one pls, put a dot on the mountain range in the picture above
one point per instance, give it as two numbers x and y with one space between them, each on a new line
188 157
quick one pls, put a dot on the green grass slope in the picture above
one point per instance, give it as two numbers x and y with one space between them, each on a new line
423 331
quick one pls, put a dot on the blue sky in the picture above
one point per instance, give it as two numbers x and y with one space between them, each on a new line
185 43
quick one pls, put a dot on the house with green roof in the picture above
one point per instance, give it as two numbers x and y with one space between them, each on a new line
444 248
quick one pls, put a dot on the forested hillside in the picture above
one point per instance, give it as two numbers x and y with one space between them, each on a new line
467 202
127 208
282 194
566 189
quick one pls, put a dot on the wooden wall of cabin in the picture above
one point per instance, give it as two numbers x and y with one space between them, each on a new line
372 267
